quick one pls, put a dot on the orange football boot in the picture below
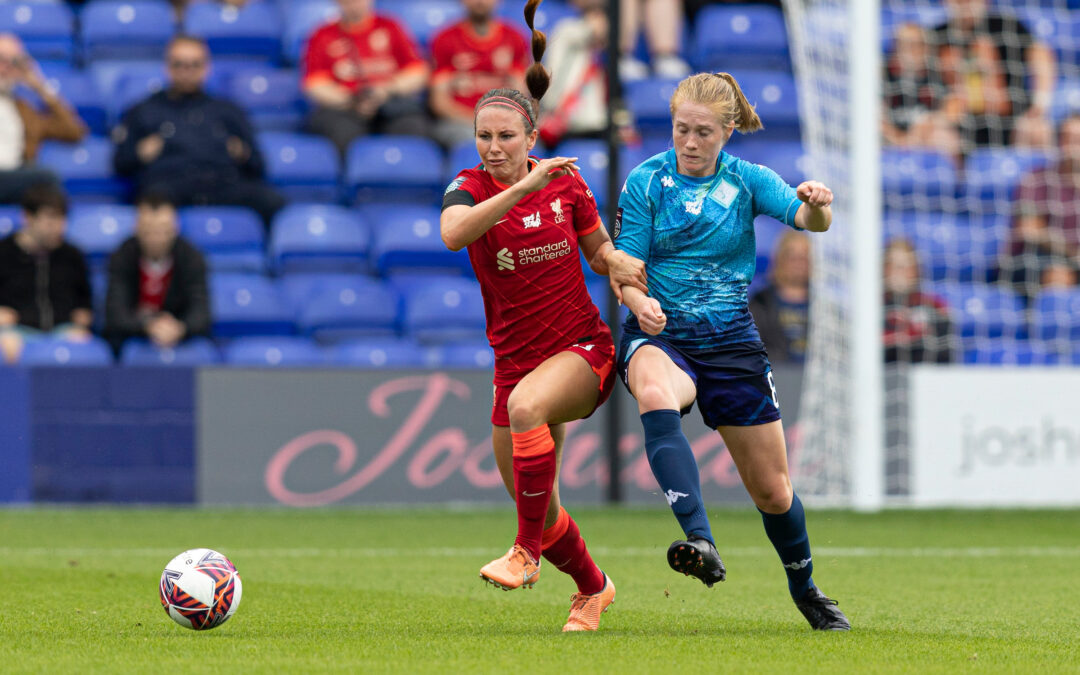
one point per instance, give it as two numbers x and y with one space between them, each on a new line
515 569
585 610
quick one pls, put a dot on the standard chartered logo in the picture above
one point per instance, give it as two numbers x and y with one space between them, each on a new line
505 259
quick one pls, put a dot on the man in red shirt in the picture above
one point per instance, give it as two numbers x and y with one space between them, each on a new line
471 57
363 74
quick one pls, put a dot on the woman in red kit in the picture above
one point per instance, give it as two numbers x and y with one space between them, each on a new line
524 221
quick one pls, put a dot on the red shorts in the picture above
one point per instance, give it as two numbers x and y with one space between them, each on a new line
599 353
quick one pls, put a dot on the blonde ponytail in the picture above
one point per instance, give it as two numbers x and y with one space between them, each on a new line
746 119
721 93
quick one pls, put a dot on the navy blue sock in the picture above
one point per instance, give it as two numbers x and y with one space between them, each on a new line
787 532
676 470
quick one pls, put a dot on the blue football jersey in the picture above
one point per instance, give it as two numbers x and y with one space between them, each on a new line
696 236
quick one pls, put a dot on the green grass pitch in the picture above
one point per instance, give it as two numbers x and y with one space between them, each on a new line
397 591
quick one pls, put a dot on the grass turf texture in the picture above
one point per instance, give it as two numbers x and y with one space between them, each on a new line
398 591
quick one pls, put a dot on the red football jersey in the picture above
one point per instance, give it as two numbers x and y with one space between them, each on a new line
364 55
530 272
476 63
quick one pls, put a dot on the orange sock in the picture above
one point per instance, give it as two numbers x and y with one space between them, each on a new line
565 548
534 476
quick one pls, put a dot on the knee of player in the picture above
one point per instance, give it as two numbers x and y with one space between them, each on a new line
773 496
653 395
525 411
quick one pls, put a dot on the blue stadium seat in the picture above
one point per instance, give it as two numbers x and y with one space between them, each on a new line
951 247
424 18
359 307
993 174
650 102
78 89
982 312
248 304
548 14
231 237
407 239
1011 353
774 97
472 355
86 168
97 230
453 311
380 353
787 158
135 84
250 32
395 169
10 220
126 29
53 352
918 174
270 96
462 156
47 29
1066 100
301 20
193 352
302 166
740 36
297 289
1055 317
271 352
1058 28
315 238
593 161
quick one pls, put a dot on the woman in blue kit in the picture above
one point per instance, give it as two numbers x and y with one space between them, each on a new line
688 213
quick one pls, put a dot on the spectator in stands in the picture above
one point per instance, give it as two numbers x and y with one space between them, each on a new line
1000 78
781 310
576 103
918 112
918 328
44 282
1046 224
662 21
1059 273
157 281
471 58
193 147
22 126
363 74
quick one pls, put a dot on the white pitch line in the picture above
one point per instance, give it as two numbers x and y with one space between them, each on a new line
625 551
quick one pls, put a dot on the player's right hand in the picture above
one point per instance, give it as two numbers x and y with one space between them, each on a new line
650 317
547 170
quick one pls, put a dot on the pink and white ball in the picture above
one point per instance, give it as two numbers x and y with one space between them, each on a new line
200 589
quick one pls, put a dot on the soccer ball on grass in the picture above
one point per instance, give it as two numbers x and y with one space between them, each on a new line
200 589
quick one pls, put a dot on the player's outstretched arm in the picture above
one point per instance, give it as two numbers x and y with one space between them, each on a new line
604 259
815 214
461 225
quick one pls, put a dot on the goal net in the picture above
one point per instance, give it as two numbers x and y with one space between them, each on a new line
980 217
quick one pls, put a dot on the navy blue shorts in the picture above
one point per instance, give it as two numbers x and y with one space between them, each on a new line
734 383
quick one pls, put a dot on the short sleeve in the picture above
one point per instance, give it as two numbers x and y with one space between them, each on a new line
770 194
586 213
634 220
463 190
405 51
317 65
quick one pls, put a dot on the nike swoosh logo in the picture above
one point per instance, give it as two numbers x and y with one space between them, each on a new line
533 494
530 576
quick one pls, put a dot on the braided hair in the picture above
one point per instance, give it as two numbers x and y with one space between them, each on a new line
537 78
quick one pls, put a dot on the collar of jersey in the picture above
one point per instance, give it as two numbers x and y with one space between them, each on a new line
356 29
504 186
483 40
673 162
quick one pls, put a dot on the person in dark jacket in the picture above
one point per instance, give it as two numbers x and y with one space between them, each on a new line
186 144
157 281
44 282
781 310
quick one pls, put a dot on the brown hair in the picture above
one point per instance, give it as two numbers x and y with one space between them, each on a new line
722 94
537 77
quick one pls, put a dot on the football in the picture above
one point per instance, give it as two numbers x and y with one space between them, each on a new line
200 589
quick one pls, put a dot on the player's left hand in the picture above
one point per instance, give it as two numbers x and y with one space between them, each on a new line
626 270
814 193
